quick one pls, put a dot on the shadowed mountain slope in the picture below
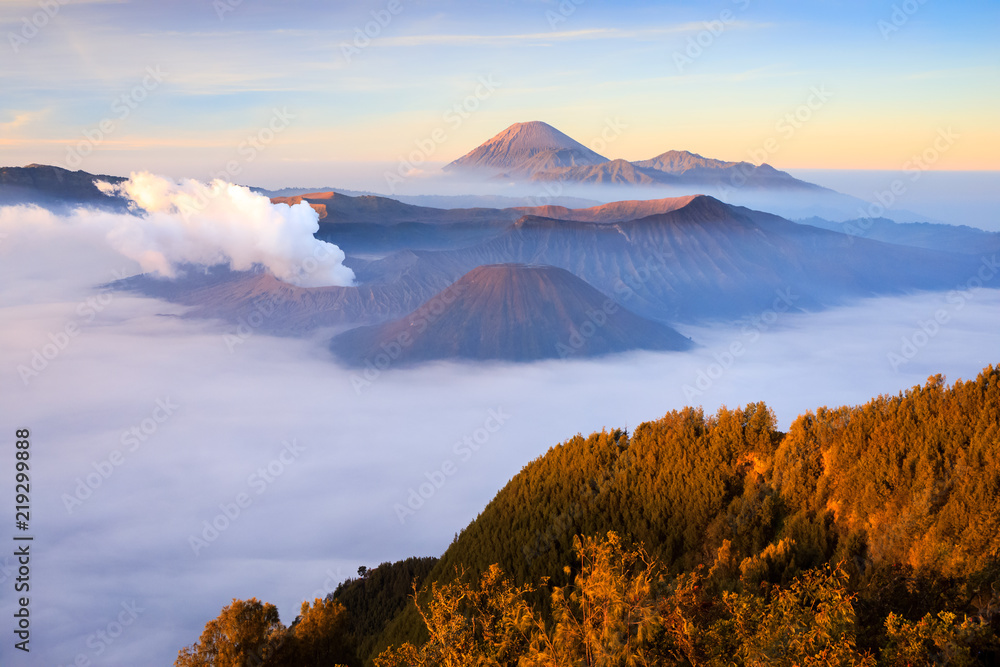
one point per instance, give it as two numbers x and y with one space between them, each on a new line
509 312
709 260
55 187
702 260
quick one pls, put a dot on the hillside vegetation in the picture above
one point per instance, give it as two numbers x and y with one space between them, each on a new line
864 535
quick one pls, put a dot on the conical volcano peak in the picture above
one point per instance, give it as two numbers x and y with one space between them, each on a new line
523 145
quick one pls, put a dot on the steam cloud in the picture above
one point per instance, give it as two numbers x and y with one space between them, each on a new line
219 223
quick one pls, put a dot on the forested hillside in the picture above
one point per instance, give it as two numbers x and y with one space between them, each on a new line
864 535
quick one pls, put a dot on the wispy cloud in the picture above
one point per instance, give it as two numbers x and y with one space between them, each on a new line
550 37
953 72
14 10
20 120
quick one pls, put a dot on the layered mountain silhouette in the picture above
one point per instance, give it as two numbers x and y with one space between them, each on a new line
688 259
339 209
529 157
509 312
697 260
702 260
379 225
540 152
693 167
953 238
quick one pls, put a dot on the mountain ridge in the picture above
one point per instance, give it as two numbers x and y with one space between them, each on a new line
539 152
700 260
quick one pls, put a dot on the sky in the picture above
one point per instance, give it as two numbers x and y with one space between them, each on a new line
283 94
289 93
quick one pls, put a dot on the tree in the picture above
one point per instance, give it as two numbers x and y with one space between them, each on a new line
809 622
608 616
936 640
488 625
247 633
319 636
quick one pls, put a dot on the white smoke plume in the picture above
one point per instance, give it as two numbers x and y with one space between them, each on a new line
191 222
188 222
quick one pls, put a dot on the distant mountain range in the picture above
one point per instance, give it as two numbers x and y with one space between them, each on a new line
934 236
535 157
693 259
701 259
540 152
338 209
661 262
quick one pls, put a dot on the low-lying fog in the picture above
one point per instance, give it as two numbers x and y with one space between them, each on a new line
146 429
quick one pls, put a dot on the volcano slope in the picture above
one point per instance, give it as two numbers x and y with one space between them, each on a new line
509 312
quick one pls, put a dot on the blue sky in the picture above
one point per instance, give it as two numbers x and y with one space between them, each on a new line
716 78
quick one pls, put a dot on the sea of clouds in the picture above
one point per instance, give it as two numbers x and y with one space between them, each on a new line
172 473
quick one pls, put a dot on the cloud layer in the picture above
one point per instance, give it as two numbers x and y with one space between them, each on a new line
188 222
172 473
